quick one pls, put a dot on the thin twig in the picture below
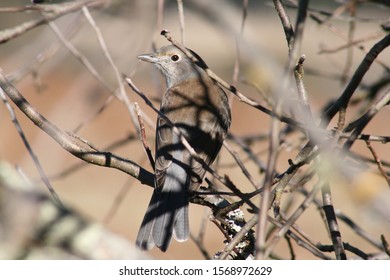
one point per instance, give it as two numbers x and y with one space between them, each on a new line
237 238
290 247
241 165
83 59
385 244
93 115
254 157
292 219
351 6
102 43
352 43
298 36
286 24
143 136
378 162
358 125
348 247
198 240
358 230
159 21
267 183
369 137
33 156
333 226
301 241
304 156
236 68
301 88
180 10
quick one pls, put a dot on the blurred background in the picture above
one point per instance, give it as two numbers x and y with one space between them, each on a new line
58 84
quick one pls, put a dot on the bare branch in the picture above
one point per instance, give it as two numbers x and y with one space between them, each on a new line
72 145
56 11
343 100
379 162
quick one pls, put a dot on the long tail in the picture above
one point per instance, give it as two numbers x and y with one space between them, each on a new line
167 213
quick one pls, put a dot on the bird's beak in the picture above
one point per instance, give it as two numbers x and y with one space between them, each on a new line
148 58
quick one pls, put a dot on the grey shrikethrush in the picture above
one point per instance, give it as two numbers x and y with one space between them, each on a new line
199 108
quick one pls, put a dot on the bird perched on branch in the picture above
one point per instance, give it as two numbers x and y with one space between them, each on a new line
199 108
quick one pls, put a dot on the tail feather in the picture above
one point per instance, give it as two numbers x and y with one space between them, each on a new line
144 238
167 212
181 229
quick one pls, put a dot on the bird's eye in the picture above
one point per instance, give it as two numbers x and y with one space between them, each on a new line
175 57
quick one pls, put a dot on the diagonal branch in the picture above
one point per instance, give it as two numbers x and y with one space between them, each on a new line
343 100
55 12
73 144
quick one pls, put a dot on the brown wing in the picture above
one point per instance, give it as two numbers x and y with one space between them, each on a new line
201 112
163 157
213 124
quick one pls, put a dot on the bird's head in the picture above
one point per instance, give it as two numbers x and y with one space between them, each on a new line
175 65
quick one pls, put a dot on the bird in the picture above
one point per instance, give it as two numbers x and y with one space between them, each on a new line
199 108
